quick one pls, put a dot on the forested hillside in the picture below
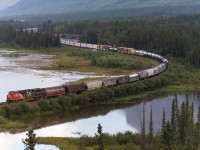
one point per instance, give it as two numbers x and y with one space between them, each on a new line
100 8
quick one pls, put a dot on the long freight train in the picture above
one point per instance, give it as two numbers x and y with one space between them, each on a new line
38 93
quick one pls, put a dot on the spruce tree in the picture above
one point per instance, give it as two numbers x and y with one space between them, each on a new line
151 127
100 138
198 127
143 131
30 141
182 125
173 115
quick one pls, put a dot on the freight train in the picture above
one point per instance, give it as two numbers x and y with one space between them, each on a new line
45 93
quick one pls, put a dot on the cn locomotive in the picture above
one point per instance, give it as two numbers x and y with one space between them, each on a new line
45 93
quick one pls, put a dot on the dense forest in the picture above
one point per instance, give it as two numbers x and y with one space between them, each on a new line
15 34
173 36
169 36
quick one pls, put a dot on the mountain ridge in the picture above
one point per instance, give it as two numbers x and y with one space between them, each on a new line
35 7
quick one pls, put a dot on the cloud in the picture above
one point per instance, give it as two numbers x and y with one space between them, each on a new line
6 3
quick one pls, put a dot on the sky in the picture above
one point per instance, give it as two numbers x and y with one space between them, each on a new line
7 3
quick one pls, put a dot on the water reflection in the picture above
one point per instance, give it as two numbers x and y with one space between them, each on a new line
134 113
113 118
13 142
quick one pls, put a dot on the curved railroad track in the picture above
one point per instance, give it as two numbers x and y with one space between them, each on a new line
38 93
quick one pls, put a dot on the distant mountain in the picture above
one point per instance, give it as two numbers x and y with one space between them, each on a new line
7 3
49 7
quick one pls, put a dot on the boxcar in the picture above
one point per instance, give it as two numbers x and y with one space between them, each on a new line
139 53
67 42
143 74
150 72
133 77
75 88
109 82
94 46
122 79
122 50
54 91
161 67
84 45
131 50
103 47
156 70
93 85
77 44
90 46
71 43
62 41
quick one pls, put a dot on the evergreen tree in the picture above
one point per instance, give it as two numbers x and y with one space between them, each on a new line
151 127
168 136
182 125
143 131
100 138
173 115
30 141
198 127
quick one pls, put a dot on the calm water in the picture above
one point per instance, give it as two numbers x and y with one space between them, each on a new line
113 119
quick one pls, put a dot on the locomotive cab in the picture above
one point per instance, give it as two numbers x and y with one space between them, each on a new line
14 96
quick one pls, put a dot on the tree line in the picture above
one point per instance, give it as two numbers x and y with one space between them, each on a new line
15 34
175 36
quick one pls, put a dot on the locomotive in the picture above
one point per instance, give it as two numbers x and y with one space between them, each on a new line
45 93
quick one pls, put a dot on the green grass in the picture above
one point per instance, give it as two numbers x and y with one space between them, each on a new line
81 144
74 59
12 126
63 143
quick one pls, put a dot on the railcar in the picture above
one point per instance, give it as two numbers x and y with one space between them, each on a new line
92 85
123 79
75 88
77 44
104 47
122 50
150 72
14 96
156 70
53 91
110 82
133 77
143 74
83 45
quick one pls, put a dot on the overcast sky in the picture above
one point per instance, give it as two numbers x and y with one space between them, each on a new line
7 3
